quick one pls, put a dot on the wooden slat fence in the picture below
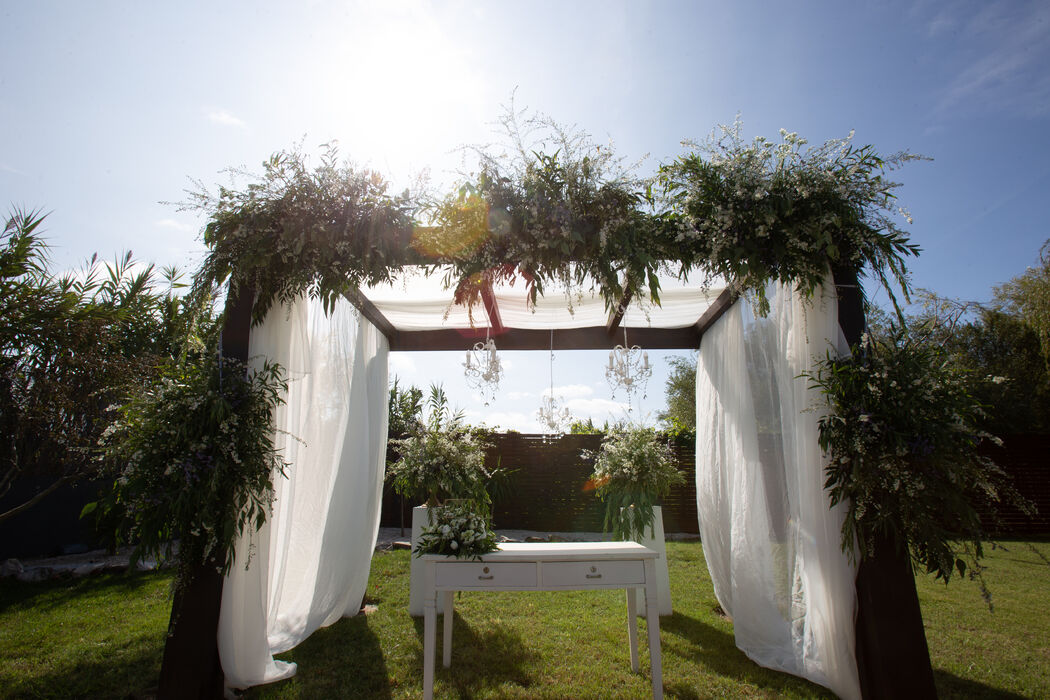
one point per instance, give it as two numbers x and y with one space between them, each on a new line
1026 458
547 489
548 492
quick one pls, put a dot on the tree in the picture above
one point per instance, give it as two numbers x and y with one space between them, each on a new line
681 394
406 410
1009 372
70 347
999 351
1028 297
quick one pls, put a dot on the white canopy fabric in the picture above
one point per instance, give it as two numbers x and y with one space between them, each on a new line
416 303
771 541
310 561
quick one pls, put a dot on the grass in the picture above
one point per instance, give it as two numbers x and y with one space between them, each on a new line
103 637
92 637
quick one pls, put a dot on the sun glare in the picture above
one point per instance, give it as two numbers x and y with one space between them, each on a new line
413 95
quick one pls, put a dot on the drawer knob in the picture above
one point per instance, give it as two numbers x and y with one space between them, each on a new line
593 574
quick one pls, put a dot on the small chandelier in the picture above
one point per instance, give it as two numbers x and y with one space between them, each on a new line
483 370
553 416
628 370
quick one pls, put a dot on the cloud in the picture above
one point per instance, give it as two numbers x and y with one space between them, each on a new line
225 118
599 408
519 395
1009 47
570 391
173 225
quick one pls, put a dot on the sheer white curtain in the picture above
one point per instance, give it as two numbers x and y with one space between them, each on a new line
310 561
770 538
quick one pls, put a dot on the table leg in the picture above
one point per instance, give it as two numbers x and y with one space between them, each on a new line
652 619
632 625
446 642
429 633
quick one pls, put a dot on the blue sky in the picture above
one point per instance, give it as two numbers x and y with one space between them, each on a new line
108 109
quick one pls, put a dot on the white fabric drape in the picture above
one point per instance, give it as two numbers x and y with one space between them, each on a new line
771 540
310 561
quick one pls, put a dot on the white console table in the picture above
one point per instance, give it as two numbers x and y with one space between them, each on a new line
559 566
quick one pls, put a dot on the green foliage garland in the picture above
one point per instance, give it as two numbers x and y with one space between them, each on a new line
549 206
558 208
325 231
762 211
632 470
902 441
194 458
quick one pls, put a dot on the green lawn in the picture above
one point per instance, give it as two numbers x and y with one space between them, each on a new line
102 637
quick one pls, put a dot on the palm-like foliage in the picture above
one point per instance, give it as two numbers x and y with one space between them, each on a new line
70 346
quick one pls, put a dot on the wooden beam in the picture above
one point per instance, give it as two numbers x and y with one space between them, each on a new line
491 308
593 338
190 666
616 315
893 658
373 314
714 312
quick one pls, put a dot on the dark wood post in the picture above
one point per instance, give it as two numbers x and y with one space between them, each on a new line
191 666
892 655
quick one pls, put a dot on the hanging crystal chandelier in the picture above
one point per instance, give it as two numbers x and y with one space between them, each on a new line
628 370
553 416
482 370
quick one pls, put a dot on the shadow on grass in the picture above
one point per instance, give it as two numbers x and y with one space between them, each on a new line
488 659
54 593
344 660
700 643
951 686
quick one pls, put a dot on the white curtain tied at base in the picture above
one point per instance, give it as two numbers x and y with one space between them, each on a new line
771 540
310 561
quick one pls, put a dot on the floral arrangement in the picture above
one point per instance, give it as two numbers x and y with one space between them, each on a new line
194 460
632 470
458 531
434 465
901 440
440 459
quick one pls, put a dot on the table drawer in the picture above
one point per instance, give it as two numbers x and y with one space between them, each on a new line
589 573
481 574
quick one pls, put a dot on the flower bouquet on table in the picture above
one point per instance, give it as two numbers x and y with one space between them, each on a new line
459 531
632 470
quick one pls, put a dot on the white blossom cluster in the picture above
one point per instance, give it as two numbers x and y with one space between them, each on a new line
458 531
439 464
634 459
